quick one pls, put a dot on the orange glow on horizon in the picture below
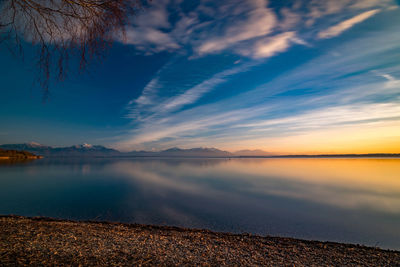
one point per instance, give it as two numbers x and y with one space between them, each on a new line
382 138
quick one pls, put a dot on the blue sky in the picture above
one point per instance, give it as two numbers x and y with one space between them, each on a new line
282 76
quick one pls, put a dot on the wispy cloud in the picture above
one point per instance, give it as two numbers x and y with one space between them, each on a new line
238 26
193 94
345 25
258 115
243 20
270 46
150 40
149 30
194 100
392 82
148 92
152 103
333 116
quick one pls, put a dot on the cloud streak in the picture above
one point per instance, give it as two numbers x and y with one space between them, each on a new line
257 116
271 46
345 25
257 20
233 26
200 99
196 92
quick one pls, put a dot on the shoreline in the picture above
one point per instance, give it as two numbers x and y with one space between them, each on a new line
395 156
21 158
49 241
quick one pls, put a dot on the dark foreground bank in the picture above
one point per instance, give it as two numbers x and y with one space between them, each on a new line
44 241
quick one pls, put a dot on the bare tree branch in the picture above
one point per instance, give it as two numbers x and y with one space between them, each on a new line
61 28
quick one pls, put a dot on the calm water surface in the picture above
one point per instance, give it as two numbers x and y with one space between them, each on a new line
345 200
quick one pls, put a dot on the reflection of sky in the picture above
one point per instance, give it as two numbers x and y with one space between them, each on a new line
346 183
351 200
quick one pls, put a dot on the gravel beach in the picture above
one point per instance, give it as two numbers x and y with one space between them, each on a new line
45 241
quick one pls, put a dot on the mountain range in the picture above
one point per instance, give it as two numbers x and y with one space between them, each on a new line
87 150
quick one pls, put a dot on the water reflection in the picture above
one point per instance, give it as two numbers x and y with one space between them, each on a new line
346 183
350 200
9 162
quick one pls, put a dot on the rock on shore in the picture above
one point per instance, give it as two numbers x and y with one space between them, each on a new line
44 241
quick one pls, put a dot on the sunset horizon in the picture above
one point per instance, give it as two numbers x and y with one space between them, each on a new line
200 132
272 77
247 151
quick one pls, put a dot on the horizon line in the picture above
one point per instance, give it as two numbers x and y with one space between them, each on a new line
267 155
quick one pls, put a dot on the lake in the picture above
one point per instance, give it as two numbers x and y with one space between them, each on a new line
348 200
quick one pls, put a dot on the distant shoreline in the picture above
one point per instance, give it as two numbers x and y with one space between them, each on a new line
93 151
377 155
12 154
47 241
231 157
19 160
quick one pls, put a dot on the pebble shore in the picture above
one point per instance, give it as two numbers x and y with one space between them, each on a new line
44 241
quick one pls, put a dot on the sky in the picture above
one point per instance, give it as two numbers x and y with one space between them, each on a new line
286 77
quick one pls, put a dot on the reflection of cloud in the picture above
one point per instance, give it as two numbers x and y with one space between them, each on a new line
86 168
159 176
344 183
340 196
148 176
179 217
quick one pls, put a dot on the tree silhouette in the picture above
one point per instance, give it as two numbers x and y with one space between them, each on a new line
63 28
